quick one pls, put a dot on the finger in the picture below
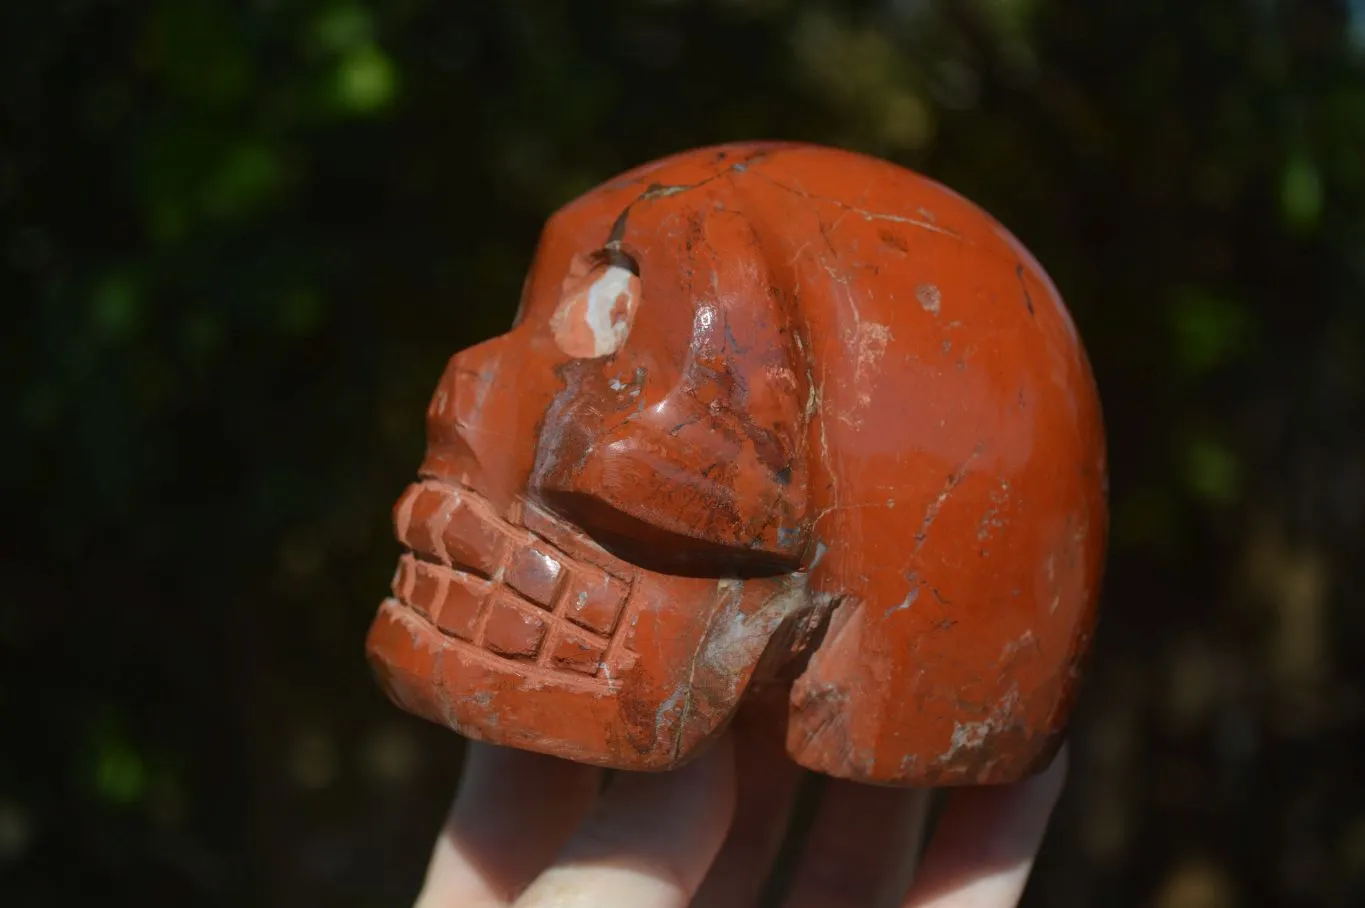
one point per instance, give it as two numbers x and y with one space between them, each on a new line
862 849
513 812
766 783
983 848
648 843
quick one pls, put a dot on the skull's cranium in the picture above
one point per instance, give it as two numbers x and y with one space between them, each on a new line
770 415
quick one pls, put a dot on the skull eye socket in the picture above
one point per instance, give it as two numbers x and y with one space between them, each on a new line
597 304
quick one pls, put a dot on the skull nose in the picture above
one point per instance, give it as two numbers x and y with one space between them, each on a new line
453 409
460 440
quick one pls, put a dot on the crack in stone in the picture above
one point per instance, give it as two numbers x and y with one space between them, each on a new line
931 512
862 213
661 191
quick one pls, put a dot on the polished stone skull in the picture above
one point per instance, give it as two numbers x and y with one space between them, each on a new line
771 417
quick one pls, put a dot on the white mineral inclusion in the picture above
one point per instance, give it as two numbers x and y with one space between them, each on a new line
595 321
609 326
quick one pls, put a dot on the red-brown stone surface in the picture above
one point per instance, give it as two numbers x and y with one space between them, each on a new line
774 418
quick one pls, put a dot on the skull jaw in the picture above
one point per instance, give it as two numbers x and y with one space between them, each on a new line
656 716
455 685
516 628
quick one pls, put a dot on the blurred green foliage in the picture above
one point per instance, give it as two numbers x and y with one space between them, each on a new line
240 240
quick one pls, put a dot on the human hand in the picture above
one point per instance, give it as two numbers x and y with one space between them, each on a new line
529 831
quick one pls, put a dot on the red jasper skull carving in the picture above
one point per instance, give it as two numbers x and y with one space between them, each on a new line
771 416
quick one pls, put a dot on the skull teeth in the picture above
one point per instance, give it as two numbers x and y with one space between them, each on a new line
500 587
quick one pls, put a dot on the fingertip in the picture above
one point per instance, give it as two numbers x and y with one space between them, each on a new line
650 840
674 821
512 813
983 848
766 785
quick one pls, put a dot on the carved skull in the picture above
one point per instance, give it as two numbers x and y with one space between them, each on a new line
771 416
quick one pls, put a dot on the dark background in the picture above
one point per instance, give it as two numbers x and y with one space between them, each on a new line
238 241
